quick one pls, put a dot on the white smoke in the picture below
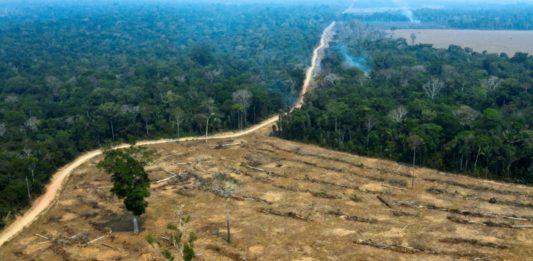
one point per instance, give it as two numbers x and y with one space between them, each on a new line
409 14
382 7
406 11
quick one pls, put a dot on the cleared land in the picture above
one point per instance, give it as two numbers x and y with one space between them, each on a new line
508 42
295 202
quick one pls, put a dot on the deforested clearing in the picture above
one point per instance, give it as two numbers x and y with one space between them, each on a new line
293 202
500 41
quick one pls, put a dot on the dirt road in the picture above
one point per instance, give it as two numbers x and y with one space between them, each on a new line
55 186
45 201
294 202
318 55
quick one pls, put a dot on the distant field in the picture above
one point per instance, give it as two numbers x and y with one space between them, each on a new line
508 42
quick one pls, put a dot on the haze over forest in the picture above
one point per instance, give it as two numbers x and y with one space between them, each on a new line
115 113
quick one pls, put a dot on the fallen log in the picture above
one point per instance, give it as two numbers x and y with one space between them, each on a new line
391 247
183 163
459 220
289 214
522 226
339 213
474 242
224 145
517 218
423 250
109 246
96 239
43 237
255 168
384 201
166 179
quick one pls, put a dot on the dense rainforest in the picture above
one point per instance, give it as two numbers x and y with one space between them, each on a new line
505 17
450 109
490 17
74 77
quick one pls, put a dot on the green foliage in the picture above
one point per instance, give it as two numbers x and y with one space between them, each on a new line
188 252
511 17
177 237
130 181
186 219
167 254
171 226
490 17
121 72
151 240
192 237
478 123
185 247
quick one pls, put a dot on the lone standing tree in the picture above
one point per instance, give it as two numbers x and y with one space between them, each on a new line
130 181
414 141
224 186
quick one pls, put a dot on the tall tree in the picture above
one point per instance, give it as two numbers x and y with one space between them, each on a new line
110 112
130 180
433 87
224 186
398 115
243 98
179 117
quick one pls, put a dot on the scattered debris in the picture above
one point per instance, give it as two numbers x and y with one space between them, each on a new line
233 255
473 242
289 214
339 213
478 187
421 250
222 145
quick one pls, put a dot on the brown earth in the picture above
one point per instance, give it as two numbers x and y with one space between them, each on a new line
294 202
501 41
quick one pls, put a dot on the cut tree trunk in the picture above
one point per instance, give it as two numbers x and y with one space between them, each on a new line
135 224
228 221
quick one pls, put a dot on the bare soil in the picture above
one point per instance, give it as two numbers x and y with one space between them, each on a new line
502 41
294 202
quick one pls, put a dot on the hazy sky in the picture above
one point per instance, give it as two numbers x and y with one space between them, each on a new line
410 3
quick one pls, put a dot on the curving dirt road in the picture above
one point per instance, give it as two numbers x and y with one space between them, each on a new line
45 201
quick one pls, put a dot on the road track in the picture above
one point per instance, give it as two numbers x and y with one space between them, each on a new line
58 180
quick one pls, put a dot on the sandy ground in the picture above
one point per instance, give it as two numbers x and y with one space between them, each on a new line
294 202
502 41
55 186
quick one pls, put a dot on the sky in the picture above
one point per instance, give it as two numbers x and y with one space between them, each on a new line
407 2
366 3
